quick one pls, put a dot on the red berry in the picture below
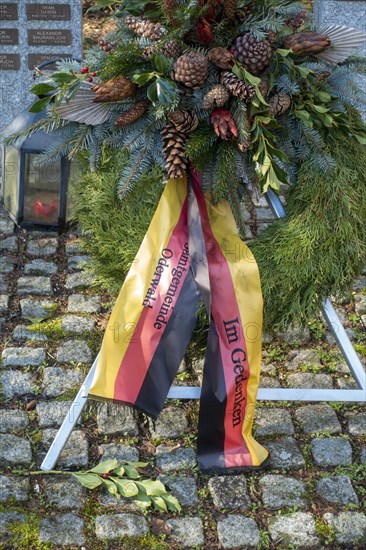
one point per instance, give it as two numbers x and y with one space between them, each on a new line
106 476
94 73
84 70
90 79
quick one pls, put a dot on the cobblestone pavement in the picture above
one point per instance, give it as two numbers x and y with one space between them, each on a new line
52 319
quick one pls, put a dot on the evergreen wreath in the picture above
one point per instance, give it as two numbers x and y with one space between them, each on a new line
241 90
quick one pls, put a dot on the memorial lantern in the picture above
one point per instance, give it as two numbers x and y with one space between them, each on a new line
35 195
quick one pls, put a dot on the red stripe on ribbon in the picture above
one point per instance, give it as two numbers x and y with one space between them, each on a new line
147 334
226 314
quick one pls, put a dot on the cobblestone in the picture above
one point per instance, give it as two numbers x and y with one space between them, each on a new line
360 305
73 351
77 324
40 267
12 487
78 262
3 283
10 244
236 531
15 383
5 265
337 490
7 519
4 303
65 493
349 527
35 308
363 455
22 332
117 420
187 531
42 247
52 413
297 530
273 422
168 459
123 453
75 452
357 424
182 487
280 491
304 357
12 420
73 247
56 381
15 450
172 423
331 451
229 493
78 280
268 382
318 418
6 224
295 335
115 526
285 453
65 529
23 357
39 286
80 303
309 380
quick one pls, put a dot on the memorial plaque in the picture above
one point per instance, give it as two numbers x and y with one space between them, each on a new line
36 59
8 12
49 37
9 61
9 37
48 12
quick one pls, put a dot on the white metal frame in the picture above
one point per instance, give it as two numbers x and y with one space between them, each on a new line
268 394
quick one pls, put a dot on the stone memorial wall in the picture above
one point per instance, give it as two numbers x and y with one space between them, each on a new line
32 32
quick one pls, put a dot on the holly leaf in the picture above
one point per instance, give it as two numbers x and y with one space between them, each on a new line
90 481
40 105
125 487
132 473
62 78
42 89
159 504
111 486
172 503
151 487
142 78
283 53
161 62
105 466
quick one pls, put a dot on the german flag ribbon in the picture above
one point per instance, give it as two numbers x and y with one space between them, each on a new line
191 250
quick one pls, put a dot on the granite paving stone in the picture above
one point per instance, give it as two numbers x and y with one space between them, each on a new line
42 247
62 529
6 224
76 280
360 305
273 422
15 488
123 453
52 413
280 491
304 357
12 420
37 285
309 380
40 267
295 334
337 490
239 532
359 284
349 527
56 380
35 308
77 324
16 383
15 451
331 451
118 504
269 382
22 332
357 424
73 247
187 531
269 369
346 383
115 526
73 351
182 487
6 520
4 303
169 459
3 283
294 530
5 265
10 244
64 492
318 418
80 303
229 493
117 420
363 455
171 423
285 453
23 357
78 262
75 452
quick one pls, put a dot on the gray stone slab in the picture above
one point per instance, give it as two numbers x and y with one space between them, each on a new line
64 530
172 423
23 332
52 413
318 418
169 459
40 267
4 303
304 357
23 357
78 262
3 283
39 286
188 531
81 303
15 383
123 453
56 381
309 380
182 487
349 527
295 530
77 324
281 491
10 244
115 526
117 420
357 424
75 452
269 382
15 488
269 369
229 492
64 492
78 280
273 421
73 351
363 455
15 451
285 453
12 420
73 247
331 451
7 519
295 334
360 305
337 490
118 504
35 308
239 532
5 265
6 224
42 247
359 284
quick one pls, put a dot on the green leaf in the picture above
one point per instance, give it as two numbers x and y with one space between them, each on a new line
320 109
152 93
105 466
172 503
63 78
166 91
302 114
251 78
91 481
151 487
42 89
131 472
40 105
161 62
323 96
283 53
143 78
119 471
360 138
139 464
111 486
142 500
303 71
159 504
125 487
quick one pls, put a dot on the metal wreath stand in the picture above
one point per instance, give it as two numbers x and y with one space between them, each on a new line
269 394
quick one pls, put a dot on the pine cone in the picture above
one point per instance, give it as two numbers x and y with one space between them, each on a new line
245 143
217 96
114 90
307 43
106 45
173 148
224 124
279 104
170 6
264 87
297 20
271 36
170 49
236 86
191 69
132 114
230 8
221 58
145 27
253 54
183 121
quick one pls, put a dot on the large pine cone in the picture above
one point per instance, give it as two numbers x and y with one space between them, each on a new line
144 27
236 86
221 58
217 96
170 49
132 114
297 20
114 90
183 121
307 43
253 54
230 8
173 148
279 104
191 69
106 45
170 6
